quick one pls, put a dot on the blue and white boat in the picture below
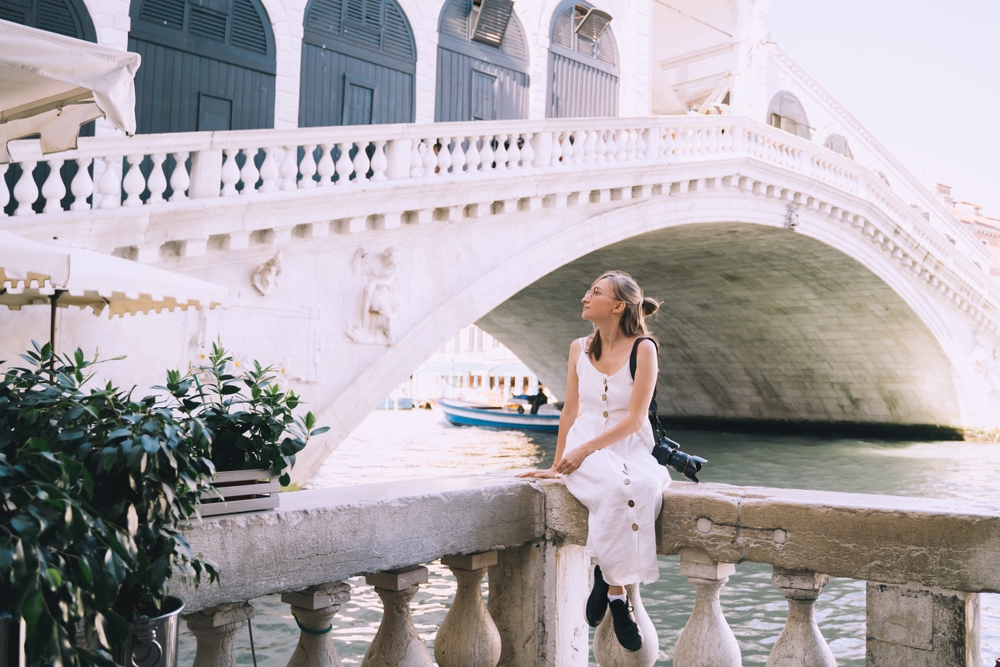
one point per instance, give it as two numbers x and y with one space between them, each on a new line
462 413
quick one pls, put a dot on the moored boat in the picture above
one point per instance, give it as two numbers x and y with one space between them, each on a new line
462 413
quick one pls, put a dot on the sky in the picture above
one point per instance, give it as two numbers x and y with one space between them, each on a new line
923 76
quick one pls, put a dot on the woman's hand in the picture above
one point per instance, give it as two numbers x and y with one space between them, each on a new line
541 474
573 460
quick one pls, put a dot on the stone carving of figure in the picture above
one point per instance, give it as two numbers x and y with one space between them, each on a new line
792 216
377 302
265 276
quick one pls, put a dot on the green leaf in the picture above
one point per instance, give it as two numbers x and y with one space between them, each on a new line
32 607
54 577
37 444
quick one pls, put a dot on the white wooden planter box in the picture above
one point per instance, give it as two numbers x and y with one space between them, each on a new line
242 491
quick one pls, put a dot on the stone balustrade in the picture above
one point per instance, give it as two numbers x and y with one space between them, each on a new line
925 561
182 173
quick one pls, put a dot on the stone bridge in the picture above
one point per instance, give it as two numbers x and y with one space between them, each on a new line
797 285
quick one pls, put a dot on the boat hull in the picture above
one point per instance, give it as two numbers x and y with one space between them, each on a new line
469 415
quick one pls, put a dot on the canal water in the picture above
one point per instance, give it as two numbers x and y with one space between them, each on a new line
390 446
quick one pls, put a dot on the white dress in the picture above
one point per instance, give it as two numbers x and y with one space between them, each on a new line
621 485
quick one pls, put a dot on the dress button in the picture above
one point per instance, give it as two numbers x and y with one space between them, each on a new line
604 397
631 503
635 526
605 414
627 481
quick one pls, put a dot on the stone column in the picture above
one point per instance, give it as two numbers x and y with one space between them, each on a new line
313 610
609 651
215 631
921 627
538 593
397 643
707 640
468 637
800 642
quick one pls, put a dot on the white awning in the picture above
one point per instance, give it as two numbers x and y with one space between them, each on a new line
51 84
23 262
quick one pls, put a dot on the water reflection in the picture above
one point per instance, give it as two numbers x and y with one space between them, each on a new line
391 446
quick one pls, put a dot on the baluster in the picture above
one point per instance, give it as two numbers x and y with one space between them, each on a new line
430 157
610 653
468 637
379 162
269 171
579 139
157 181
801 642
325 167
307 168
25 190
313 610
669 144
4 192
289 168
513 152
180 180
457 155
486 154
500 154
600 148
630 144
344 164
472 156
361 162
249 174
109 184
215 631
134 183
640 145
707 640
527 151
416 160
557 154
589 148
568 143
443 156
397 643
82 186
53 190
621 144
230 172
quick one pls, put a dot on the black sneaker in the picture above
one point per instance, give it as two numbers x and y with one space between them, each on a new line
597 603
625 628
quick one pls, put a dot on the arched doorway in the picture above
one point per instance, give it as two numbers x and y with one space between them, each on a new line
64 17
583 63
787 113
358 64
482 66
206 66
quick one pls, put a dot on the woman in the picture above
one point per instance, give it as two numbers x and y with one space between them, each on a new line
604 444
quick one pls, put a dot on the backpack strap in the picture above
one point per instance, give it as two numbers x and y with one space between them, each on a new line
654 420
635 351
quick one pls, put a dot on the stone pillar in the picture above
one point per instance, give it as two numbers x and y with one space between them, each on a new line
397 643
801 642
706 640
468 637
609 652
919 627
215 631
313 610
538 593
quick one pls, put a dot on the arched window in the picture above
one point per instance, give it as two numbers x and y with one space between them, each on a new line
65 17
838 144
786 112
482 67
358 64
206 65
583 63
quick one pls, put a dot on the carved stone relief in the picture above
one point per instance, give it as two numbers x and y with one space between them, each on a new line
792 216
378 304
265 276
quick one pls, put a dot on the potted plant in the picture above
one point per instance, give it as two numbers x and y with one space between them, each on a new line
254 431
93 485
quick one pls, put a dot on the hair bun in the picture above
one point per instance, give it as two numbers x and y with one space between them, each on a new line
650 306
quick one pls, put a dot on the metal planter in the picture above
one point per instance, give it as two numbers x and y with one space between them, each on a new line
242 491
152 642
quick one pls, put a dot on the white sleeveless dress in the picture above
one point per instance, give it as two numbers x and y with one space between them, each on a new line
621 485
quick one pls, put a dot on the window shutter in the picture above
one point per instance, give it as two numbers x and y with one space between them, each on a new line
455 18
164 12
55 16
206 23
397 39
248 28
562 32
325 16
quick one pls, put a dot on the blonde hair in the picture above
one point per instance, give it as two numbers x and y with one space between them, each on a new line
637 309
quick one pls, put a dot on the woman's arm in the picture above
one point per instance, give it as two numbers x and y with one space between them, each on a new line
638 411
570 411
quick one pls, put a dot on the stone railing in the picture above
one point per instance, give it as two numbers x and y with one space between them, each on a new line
182 172
925 562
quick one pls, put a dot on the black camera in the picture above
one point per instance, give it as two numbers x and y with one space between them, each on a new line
668 453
